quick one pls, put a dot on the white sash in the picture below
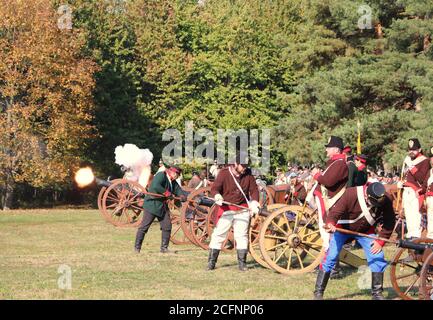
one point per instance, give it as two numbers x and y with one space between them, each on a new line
199 185
365 211
412 163
328 202
310 194
237 185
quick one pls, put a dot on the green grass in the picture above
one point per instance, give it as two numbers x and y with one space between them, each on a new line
34 243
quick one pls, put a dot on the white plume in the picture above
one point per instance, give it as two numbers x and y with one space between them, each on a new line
134 158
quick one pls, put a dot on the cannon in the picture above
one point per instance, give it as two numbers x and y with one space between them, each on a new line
290 242
411 269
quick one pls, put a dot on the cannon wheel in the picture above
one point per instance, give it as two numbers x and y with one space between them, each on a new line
177 235
290 241
100 196
197 217
405 271
121 203
185 216
266 197
426 276
253 235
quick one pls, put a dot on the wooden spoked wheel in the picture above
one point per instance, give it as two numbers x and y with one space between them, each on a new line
290 241
197 216
177 234
100 195
122 203
265 197
426 279
186 214
253 235
405 271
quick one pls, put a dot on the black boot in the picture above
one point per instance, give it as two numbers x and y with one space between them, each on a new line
242 259
165 241
336 271
139 240
321 282
377 286
213 257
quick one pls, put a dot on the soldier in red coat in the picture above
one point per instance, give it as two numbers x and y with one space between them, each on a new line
360 209
417 167
428 189
331 183
236 185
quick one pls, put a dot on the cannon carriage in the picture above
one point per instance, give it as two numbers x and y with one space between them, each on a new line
411 269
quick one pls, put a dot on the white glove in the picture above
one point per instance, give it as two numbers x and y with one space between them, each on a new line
254 207
400 184
218 199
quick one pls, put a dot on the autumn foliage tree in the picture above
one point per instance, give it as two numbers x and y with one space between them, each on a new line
45 96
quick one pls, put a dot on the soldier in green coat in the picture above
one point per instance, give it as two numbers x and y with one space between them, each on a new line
163 183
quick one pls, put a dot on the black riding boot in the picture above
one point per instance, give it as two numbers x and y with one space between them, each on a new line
165 240
321 282
377 286
242 259
336 270
139 240
212 260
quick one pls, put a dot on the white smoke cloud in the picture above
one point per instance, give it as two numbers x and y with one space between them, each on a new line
133 158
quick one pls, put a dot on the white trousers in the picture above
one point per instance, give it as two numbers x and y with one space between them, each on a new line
411 212
430 217
240 221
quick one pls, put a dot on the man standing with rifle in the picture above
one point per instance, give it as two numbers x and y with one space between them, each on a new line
359 210
417 168
234 187
163 183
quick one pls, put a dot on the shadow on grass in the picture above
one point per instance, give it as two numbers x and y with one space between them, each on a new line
388 293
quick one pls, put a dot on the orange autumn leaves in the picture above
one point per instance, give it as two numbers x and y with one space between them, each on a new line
46 103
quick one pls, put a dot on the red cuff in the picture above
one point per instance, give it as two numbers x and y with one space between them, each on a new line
381 242
167 193
317 175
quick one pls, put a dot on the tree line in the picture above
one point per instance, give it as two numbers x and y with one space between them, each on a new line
79 77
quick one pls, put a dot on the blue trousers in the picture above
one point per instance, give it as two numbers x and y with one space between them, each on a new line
376 262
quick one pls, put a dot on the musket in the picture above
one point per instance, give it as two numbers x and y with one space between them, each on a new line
400 243
354 233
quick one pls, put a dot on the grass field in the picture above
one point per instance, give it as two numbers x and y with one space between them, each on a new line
34 243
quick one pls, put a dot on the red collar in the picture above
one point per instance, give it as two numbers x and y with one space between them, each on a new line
338 156
361 167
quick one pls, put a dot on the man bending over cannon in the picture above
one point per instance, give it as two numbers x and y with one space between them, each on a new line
359 210
234 185
163 183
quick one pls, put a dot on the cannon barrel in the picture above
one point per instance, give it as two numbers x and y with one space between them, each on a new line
102 183
411 245
265 213
207 202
